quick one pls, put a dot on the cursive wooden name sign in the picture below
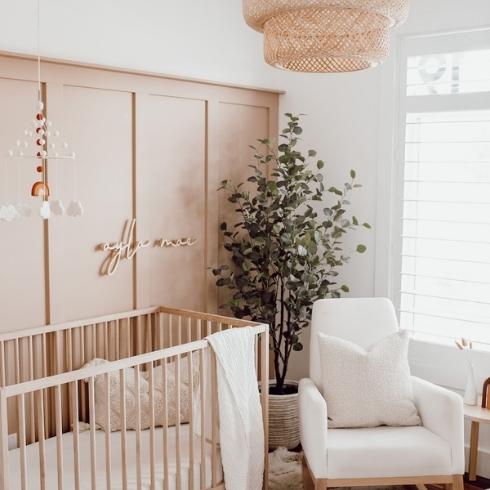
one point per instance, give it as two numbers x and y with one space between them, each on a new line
128 247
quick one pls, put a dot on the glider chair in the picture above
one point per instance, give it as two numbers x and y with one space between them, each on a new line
432 453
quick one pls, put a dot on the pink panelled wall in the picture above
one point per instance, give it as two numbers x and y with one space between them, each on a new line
147 147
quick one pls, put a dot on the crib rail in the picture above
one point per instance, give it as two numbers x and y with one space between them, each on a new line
48 393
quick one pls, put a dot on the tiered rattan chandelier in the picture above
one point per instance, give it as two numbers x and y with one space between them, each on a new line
325 35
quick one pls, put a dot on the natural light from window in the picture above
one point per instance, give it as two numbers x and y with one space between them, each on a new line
445 264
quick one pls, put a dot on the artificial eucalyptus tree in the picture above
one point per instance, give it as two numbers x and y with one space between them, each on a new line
287 246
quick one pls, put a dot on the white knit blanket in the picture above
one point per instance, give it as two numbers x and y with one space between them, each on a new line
240 413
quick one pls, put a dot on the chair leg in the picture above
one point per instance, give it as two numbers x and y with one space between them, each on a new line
307 479
458 482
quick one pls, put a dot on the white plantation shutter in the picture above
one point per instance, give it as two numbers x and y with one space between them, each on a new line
445 234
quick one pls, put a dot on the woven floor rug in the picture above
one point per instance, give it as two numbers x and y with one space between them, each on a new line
285 472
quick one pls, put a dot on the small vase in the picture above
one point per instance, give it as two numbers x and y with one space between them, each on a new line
470 393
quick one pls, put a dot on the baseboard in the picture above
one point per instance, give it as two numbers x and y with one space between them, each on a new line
483 465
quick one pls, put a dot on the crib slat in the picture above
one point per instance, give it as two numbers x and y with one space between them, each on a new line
107 432
122 386
161 329
31 394
138 424
69 366
190 384
59 434
106 340
22 440
199 329
177 421
4 449
189 329
82 362
118 339
127 337
170 332
45 393
148 334
138 335
76 435
209 329
93 330
203 418
165 425
93 446
179 331
40 434
152 426
214 422
17 360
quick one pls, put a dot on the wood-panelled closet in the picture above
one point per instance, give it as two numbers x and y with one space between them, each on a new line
147 147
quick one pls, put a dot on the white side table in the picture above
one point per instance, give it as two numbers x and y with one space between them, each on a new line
477 415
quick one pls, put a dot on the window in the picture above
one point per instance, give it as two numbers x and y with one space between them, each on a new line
444 285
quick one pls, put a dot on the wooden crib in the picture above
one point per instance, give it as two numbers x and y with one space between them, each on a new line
48 433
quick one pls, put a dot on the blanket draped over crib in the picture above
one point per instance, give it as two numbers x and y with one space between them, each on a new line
241 423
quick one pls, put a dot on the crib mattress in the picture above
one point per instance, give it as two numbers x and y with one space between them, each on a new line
32 453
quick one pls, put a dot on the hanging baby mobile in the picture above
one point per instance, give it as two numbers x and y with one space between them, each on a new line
41 144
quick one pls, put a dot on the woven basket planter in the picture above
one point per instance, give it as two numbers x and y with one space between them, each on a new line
284 419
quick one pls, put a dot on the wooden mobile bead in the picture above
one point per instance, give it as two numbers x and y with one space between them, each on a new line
40 141
40 131
39 169
39 116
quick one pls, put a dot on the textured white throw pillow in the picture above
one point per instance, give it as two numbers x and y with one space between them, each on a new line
367 388
145 407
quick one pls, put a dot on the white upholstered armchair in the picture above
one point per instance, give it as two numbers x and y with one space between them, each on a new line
431 453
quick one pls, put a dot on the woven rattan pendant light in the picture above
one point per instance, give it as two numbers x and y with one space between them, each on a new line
325 35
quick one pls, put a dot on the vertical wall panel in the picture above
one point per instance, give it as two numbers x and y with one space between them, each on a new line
22 292
97 125
170 189
158 158
235 128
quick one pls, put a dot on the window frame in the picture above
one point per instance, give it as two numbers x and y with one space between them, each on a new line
414 45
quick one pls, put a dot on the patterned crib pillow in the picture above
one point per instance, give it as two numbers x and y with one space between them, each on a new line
131 397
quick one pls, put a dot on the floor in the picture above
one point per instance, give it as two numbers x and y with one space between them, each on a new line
473 485
476 485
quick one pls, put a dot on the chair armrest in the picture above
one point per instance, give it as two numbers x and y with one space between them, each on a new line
313 427
442 413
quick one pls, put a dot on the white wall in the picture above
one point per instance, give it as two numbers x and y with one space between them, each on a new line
349 116
210 40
